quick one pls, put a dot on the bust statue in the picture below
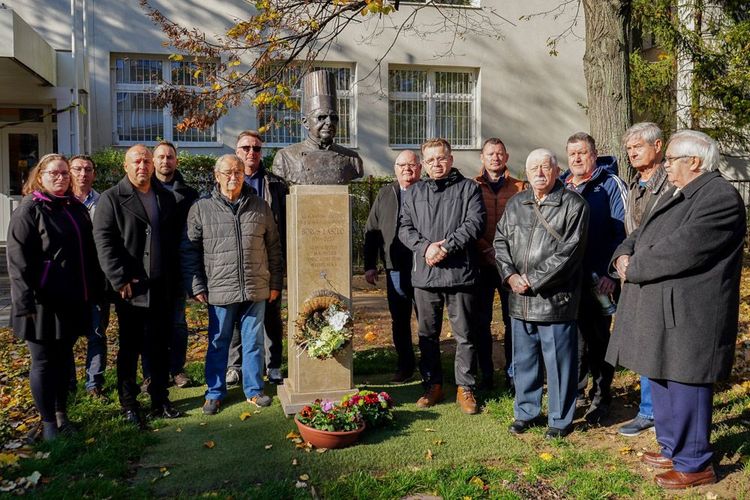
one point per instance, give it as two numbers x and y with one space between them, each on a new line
317 159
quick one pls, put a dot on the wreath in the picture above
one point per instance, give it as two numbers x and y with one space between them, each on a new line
324 325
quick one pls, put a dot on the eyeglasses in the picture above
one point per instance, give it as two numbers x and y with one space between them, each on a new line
246 149
672 159
237 174
78 170
404 166
440 159
57 174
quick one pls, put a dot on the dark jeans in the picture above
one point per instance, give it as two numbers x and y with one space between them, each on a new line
593 338
49 375
274 336
177 344
682 417
555 345
489 282
401 304
461 303
144 330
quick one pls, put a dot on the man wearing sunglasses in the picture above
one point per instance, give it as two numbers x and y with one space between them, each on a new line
273 190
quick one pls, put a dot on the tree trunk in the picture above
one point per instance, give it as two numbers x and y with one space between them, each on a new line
606 68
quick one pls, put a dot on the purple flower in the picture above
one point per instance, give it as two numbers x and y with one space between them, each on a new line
327 406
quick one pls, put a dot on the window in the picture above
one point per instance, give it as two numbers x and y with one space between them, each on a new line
137 119
424 103
285 125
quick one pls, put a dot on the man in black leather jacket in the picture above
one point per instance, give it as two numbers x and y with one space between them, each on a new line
539 246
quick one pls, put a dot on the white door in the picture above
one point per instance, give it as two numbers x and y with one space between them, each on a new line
21 146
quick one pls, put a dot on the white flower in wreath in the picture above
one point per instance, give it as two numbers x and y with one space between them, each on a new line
338 320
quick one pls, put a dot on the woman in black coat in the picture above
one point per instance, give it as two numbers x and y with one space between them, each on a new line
54 280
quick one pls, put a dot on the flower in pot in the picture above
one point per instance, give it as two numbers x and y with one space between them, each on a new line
374 407
325 424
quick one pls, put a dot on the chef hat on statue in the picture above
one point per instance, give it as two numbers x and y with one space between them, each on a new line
319 89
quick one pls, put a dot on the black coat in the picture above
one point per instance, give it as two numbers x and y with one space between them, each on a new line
524 246
123 233
53 270
677 316
449 209
381 231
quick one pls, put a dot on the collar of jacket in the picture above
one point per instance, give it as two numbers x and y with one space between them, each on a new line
245 194
604 165
656 182
453 177
553 198
482 180
126 190
700 181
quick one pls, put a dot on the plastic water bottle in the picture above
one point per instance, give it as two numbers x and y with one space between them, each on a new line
608 307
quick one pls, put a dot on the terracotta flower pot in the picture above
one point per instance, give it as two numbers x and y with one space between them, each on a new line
328 439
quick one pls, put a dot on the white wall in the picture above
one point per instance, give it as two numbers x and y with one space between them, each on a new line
527 97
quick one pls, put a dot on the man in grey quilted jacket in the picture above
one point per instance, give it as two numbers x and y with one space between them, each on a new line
231 258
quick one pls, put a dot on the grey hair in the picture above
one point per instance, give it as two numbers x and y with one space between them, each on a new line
648 131
221 160
541 154
694 143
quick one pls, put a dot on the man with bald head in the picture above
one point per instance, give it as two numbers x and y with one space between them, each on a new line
381 238
539 247
136 240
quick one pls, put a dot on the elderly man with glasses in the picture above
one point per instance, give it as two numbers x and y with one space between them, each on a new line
381 238
678 312
232 261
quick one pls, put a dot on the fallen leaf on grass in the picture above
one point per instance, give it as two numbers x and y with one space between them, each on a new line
209 444
370 337
300 484
90 440
427 429
546 456
179 429
203 423
292 435
245 415
295 462
711 495
439 442
625 450
304 477
34 478
268 446
8 459
321 450
477 481
428 455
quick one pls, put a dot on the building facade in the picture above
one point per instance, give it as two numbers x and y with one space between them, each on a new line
78 76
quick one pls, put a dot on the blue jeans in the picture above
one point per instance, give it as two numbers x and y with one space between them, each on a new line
96 350
646 408
221 320
401 304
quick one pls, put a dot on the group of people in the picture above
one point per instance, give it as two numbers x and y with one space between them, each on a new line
564 252
567 252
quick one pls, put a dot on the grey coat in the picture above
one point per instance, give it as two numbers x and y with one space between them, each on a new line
231 253
677 316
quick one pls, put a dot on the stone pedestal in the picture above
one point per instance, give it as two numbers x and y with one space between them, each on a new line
319 256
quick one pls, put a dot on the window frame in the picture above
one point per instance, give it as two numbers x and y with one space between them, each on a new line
431 97
138 88
350 94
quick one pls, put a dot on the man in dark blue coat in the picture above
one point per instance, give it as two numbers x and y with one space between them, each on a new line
677 322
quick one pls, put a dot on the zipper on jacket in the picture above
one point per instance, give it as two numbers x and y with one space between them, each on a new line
238 234
526 266
80 254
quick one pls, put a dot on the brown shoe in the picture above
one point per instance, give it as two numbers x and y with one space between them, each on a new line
465 399
431 397
656 460
181 380
673 480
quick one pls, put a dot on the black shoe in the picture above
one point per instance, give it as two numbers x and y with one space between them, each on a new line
211 406
596 413
521 426
402 376
165 410
275 377
555 433
133 417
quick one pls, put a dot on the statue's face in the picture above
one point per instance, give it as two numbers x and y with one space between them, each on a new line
321 124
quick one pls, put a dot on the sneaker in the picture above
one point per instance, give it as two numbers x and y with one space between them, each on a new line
431 397
636 426
467 402
233 377
181 380
274 376
211 406
165 410
596 414
261 400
